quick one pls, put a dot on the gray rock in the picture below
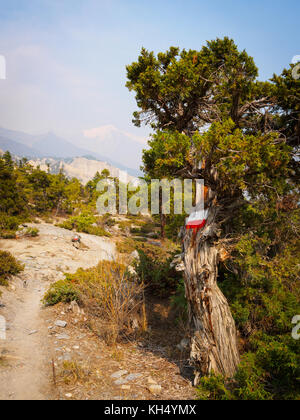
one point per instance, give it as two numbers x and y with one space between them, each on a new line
135 255
74 307
118 374
33 332
61 324
121 382
65 358
155 243
132 376
151 235
62 337
184 344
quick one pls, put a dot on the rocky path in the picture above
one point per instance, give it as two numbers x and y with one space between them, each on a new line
25 355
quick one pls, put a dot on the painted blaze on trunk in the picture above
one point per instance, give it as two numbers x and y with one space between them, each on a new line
214 342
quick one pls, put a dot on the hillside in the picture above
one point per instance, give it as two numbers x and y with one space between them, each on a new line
46 346
52 146
81 168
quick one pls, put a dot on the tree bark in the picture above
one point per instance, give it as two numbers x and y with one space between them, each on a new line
214 343
163 226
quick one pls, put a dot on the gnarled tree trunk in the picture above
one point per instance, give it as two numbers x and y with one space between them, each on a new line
214 342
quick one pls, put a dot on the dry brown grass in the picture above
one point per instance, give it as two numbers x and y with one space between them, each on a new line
72 372
113 297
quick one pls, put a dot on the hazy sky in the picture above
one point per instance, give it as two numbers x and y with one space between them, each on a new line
66 59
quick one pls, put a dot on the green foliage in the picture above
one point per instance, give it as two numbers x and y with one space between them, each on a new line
269 373
108 221
216 121
170 87
248 384
32 232
12 199
108 293
9 266
213 388
179 302
85 222
264 298
8 226
156 273
61 291
173 225
167 153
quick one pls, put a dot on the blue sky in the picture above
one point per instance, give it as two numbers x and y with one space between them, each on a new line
66 59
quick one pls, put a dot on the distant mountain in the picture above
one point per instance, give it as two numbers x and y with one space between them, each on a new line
18 136
52 146
17 148
114 144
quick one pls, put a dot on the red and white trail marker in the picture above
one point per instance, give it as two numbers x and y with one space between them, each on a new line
197 220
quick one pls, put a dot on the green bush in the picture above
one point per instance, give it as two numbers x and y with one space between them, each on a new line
97 231
32 232
108 221
214 387
264 297
61 291
248 384
179 302
8 234
9 266
156 273
86 222
8 226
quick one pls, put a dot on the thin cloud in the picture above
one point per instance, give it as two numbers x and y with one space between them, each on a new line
106 131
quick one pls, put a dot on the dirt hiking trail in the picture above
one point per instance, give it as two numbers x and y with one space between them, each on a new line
25 355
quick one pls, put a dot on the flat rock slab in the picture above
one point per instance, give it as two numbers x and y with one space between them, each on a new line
118 374
62 337
121 382
61 324
133 376
155 389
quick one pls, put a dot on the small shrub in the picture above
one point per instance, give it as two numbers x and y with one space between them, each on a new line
108 221
61 291
135 231
97 231
67 224
110 293
8 234
31 232
179 302
107 291
72 373
9 266
86 222
126 246
156 272
8 226
214 387
125 226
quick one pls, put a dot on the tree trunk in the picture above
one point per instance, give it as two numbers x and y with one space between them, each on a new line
214 342
163 226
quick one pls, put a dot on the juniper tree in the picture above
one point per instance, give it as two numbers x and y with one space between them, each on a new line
214 120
